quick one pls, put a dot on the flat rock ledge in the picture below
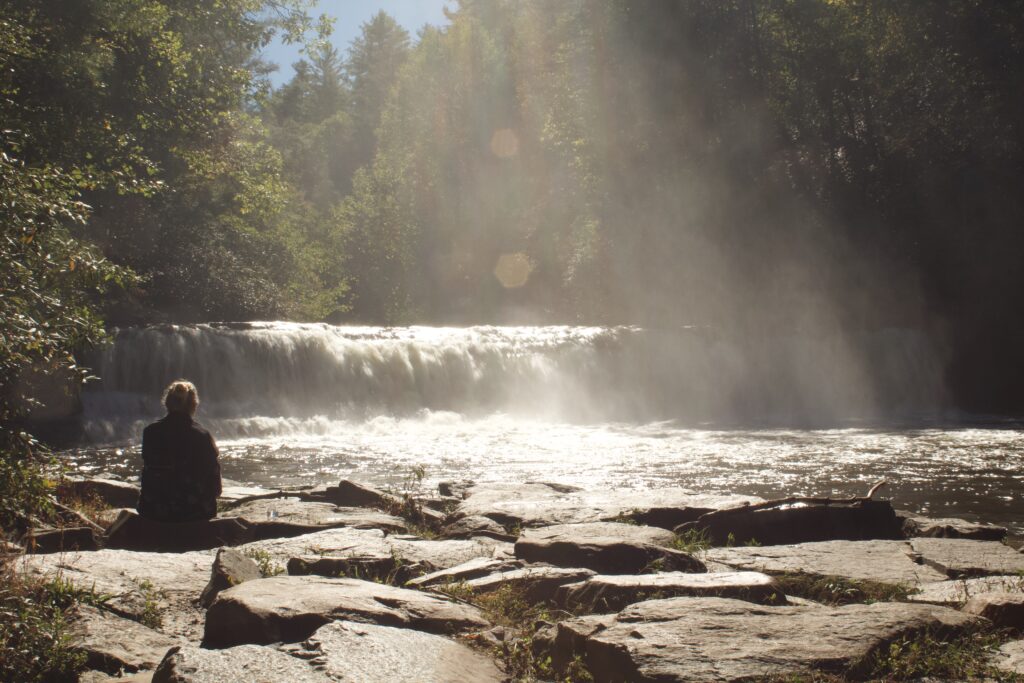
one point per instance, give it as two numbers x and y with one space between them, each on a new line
242 664
717 639
1010 658
113 643
889 562
350 652
605 547
959 591
613 593
291 608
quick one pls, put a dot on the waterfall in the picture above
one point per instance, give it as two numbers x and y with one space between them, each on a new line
259 377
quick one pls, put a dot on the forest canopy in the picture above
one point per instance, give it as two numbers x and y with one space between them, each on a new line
753 166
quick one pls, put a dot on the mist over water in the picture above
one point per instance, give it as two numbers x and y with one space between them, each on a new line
294 404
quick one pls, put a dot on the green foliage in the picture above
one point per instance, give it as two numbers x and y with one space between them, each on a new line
34 639
265 561
932 656
692 541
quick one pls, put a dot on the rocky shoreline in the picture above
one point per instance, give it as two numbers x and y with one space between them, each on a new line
534 581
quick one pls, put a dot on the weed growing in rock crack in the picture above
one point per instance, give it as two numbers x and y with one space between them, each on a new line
836 590
692 541
928 655
34 643
151 596
263 560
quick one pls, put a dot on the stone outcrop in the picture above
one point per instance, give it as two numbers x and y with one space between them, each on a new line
948 527
1005 610
1010 658
790 521
113 643
959 591
290 516
605 547
242 664
134 532
349 652
230 568
891 562
545 504
350 494
716 639
291 608
959 558
611 593
473 526
534 583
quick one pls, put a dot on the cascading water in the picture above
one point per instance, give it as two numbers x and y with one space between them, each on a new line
595 407
265 377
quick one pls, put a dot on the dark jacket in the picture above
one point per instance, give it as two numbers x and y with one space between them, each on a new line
180 472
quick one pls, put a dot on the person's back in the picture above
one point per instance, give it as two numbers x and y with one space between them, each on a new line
180 474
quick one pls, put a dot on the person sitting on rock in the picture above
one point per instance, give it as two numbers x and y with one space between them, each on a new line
180 471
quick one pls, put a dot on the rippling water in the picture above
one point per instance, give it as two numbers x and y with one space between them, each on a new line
972 472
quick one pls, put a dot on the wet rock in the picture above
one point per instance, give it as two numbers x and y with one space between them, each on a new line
349 652
1010 658
60 540
350 494
959 591
1005 610
109 492
605 547
538 584
243 664
964 558
289 516
230 568
701 639
291 608
787 522
891 562
134 532
543 504
948 527
113 643
474 569
469 527
611 593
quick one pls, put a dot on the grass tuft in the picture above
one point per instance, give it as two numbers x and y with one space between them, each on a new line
836 590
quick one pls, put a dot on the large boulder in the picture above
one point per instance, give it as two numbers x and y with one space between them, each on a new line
795 521
546 504
350 652
230 568
611 593
717 639
961 558
132 531
291 608
890 562
243 664
113 643
605 547
948 527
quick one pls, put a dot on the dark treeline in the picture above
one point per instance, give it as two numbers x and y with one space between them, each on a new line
762 167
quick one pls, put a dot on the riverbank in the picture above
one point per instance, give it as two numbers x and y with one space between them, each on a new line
530 582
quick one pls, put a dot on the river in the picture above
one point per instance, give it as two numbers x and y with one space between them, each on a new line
595 407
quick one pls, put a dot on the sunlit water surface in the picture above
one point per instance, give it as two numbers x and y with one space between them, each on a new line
969 472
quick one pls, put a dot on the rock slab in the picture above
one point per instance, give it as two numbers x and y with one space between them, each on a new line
291 608
605 547
717 639
611 593
243 664
113 643
230 568
961 558
349 652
